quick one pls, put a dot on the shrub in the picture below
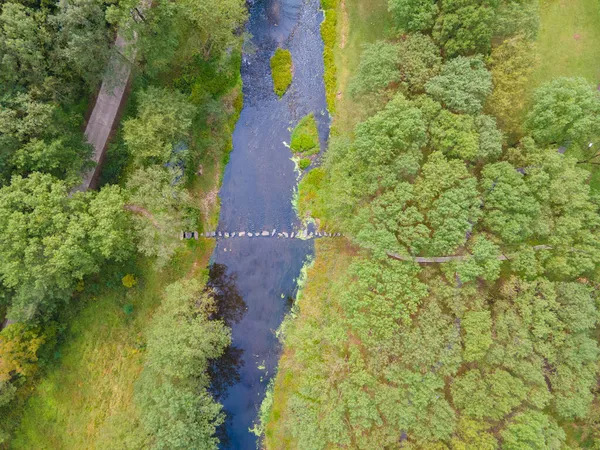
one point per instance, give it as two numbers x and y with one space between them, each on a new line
305 137
310 203
281 70
304 163
129 281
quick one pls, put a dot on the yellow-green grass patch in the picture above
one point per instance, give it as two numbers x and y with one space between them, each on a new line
281 71
305 137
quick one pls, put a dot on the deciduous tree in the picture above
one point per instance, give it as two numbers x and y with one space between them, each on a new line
462 85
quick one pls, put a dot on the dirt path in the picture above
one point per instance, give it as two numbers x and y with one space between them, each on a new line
105 114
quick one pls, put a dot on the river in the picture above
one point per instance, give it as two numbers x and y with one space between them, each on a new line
255 278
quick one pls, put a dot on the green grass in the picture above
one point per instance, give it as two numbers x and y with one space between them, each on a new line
569 45
85 398
281 71
569 40
305 137
329 36
358 22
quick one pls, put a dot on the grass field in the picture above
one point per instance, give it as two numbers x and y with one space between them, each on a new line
569 40
359 22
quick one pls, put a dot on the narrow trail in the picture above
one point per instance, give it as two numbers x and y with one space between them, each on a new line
105 115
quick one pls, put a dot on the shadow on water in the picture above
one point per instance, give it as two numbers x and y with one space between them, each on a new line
253 279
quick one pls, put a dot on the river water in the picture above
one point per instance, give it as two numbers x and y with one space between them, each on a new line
255 278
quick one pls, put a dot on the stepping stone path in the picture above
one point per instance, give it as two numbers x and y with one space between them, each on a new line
274 234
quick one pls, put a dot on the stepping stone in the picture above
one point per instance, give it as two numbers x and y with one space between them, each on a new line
250 234
226 235
265 233
220 234
273 232
292 235
279 235
233 234
285 234
213 234
242 234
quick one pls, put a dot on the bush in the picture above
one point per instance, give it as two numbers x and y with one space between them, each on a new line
281 70
129 281
310 203
305 137
304 163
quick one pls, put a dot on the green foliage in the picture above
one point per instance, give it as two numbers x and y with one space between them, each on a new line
473 435
378 69
385 66
305 137
488 395
170 35
462 85
281 71
483 263
393 139
534 430
455 135
419 61
414 15
511 66
465 27
565 110
161 210
476 353
163 118
310 202
517 18
51 240
51 57
478 334
304 163
176 408
509 205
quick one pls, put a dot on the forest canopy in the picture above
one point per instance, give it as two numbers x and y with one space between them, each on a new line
495 347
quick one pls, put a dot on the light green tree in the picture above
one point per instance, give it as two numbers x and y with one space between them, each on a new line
163 117
465 27
51 240
565 110
462 85
172 392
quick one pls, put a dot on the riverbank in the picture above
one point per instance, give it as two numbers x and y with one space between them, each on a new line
385 353
357 23
84 397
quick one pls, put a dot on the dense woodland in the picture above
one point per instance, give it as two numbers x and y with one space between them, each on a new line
55 243
452 158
